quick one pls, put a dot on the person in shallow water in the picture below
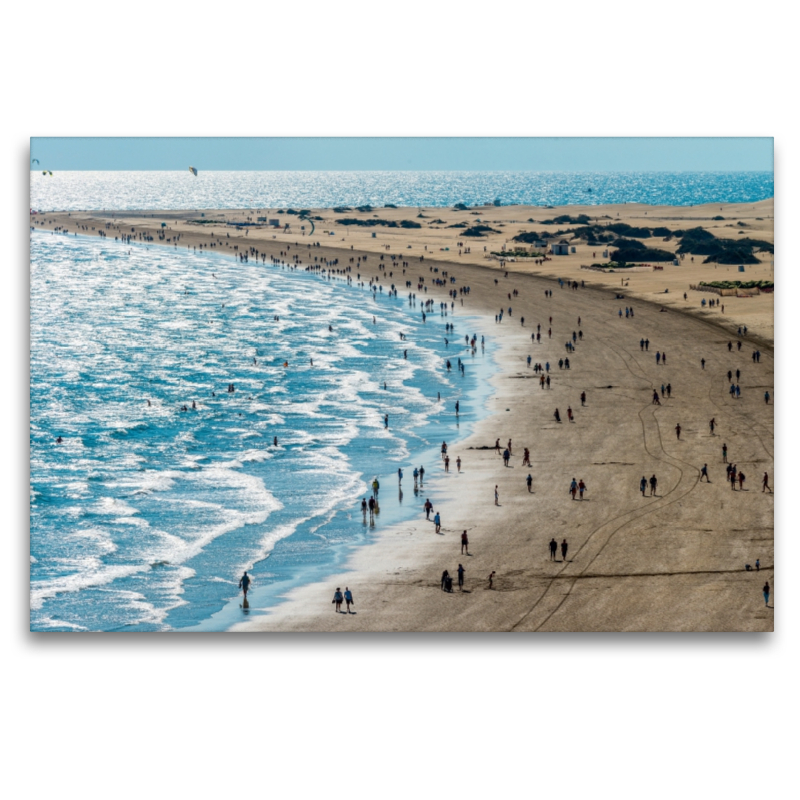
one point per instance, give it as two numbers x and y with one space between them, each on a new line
244 583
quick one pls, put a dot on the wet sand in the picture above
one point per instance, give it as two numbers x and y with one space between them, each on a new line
674 561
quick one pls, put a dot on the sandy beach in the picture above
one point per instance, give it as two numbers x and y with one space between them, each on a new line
672 560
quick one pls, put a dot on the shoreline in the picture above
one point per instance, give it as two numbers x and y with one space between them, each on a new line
430 241
628 569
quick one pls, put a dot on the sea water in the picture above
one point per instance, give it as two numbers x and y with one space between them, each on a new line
69 191
145 515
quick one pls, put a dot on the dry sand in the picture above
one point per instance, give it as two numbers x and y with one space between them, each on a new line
670 562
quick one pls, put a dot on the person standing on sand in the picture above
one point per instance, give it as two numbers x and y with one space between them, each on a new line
656 401
458 463
712 423
437 521
337 599
643 485
447 463
678 430
564 548
704 472
766 397
529 481
573 488
464 543
348 598
460 578
491 579
725 453
244 584
653 485
496 496
702 363
428 508
765 590
506 456
553 549
765 484
740 476
583 398
581 488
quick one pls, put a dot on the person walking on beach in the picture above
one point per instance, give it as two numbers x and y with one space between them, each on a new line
337 599
364 507
573 488
496 496
445 581
766 397
581 488
569 414
458 463
702 363
564 548
725 453
428 508
416 477
704 472
461 571
643 485
653 485
765 484
447 463
740 477
437 521
678 430
758 565
712 424
244 584
583 398
656 401
529 482
399 475
372 509
348 598
765 590
553 549
491 579
464 543
375 487
421 475
557 416
733 478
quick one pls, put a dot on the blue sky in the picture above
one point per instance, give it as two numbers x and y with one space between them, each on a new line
473 153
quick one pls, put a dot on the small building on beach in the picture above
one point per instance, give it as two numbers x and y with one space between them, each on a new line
560 249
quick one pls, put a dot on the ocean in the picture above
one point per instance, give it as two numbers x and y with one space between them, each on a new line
68 191
145 515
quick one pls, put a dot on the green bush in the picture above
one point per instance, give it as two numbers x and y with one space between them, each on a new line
641 254
478 230
460 207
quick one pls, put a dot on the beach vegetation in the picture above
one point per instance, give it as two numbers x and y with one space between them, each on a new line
341 209
478 230
390 205
739 284
717 218
639 253
459 225
364 209
623 229
460 207
387 223
529 237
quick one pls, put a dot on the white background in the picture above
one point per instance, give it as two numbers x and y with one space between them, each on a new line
646 716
